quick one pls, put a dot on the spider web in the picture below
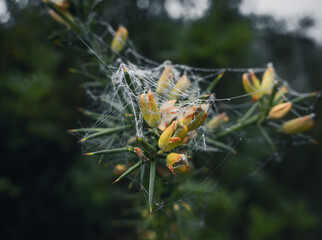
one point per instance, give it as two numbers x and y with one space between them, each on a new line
108 86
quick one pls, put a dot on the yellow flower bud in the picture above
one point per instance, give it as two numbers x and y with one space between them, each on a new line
268 78
200 117
173 136
150 109
61 6
298 125
163 171
181 86
186 119
178 138
168 112
59 19
119 169
119 39
177 162
140 154
279 95
186 206
254 79
165 80
217 121
166 136
280 110
251 85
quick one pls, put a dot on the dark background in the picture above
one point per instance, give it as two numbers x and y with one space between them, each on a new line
49 191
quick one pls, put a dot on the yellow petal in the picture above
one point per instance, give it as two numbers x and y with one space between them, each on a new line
279 95
144 106
177 139
119 39
280 110
217 121
150 109
298 125
153 110
186 119
181 86
165 80
255 80
267 81
168 112
166 136
119 169
199 119
178 162
249 86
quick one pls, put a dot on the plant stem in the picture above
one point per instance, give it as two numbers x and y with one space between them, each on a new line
220 145
267 137
215 82
147 146
249 112
70 23
111 151
128 81
238 126
272 96
305 96
105 131
151 182
130 170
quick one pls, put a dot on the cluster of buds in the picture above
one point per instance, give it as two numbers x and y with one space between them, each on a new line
177 132
177 124
279 108
167 79
257 89
60 12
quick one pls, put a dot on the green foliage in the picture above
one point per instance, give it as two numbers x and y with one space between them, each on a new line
47 190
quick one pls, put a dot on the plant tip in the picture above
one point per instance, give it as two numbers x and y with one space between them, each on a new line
116 181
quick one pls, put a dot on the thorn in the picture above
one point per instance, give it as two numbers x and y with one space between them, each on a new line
123 68
71 130
116 181
88 154
82 140
150 210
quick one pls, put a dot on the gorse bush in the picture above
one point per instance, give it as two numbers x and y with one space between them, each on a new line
150 121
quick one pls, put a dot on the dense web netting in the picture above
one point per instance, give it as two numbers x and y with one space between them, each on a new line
115 81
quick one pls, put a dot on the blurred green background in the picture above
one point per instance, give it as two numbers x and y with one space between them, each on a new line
49 191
